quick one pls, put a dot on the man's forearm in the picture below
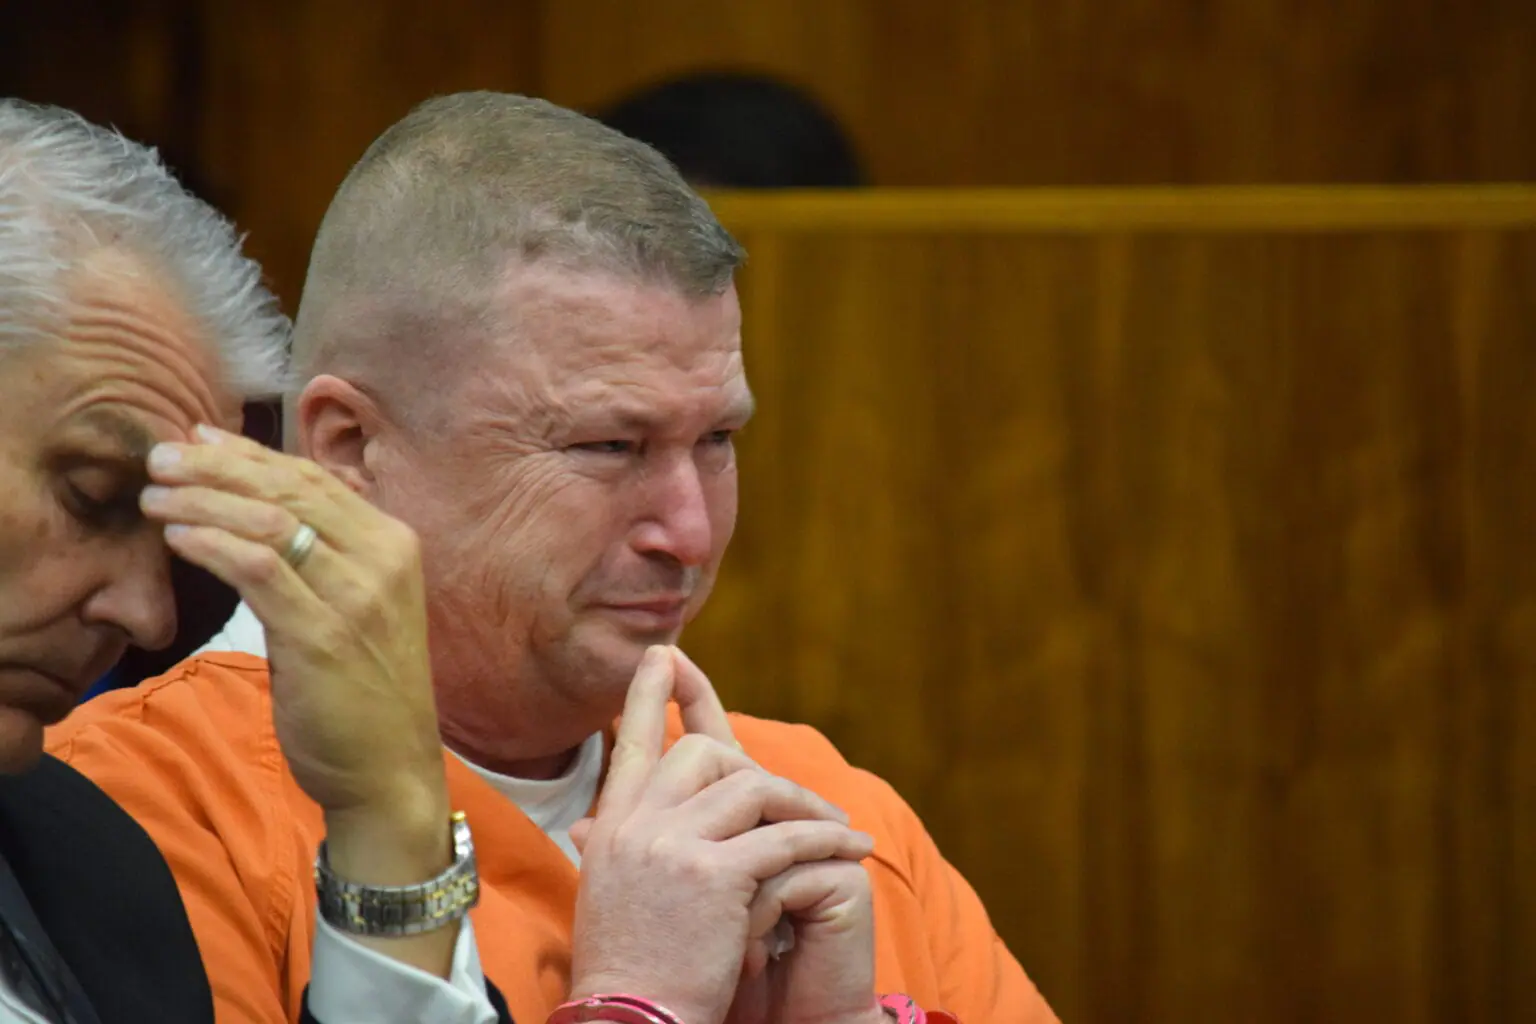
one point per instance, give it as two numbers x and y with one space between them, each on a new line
405 844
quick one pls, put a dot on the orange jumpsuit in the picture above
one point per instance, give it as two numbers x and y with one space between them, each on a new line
193 756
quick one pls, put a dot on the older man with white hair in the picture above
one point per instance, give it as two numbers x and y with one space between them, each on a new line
520 335
131 331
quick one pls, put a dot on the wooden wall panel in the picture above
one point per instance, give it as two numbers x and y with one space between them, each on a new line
1181 578
293 91
125 64
1172 554
1081 92
265 106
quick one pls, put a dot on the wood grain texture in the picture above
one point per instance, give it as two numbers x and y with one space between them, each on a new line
1073 92
1170 549
1167 209
123 64
293 92
265 106
1182 581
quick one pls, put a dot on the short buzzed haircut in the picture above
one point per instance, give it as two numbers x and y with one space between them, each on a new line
461 189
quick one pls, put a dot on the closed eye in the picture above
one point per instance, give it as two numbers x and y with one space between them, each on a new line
120 511
607 447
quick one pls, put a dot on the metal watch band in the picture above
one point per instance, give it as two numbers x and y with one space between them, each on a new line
393 911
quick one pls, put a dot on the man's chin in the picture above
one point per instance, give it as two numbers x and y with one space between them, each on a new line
612 653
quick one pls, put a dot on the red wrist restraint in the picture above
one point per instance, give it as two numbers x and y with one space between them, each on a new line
617 1008
622 1009
904 1010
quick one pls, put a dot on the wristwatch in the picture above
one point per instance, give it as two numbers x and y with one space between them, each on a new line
396 910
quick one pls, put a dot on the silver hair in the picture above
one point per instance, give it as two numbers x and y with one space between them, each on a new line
69 187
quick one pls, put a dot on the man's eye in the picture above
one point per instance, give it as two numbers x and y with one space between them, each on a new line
117 510
607 447
719 437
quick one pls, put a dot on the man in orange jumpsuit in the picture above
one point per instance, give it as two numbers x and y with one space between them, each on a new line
520 336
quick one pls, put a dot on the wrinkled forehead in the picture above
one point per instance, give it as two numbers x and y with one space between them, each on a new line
577 338
126 325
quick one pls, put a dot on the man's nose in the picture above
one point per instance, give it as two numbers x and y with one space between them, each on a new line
677 523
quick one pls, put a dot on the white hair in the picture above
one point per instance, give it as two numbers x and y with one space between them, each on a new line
69 187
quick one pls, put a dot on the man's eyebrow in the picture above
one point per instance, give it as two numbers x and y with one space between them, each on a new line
739 409
131 435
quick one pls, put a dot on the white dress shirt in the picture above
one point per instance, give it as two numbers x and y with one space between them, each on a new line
14 1011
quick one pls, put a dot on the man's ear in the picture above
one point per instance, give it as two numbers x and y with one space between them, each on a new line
337 422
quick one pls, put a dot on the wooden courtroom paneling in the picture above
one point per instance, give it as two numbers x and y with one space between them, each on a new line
124 64
1077 92
267 105
293 91
263 107
1183 578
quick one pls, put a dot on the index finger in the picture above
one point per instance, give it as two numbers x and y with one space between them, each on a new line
238 465
642 733
700 704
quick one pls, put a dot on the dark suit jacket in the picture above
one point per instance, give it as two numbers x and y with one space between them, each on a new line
102 892
109 905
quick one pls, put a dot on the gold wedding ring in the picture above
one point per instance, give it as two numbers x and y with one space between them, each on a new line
300 546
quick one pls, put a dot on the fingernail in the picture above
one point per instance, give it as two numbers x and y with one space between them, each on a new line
163 456
153 496
176 530
208 435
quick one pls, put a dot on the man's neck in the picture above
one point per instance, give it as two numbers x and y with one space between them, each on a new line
549 766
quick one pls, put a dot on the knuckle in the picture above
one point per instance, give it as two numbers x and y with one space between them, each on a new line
220 460
759 786
240 445
810 835
199 465
808 800
275 524
309 473
261 564
358 600
781 786
693 746
696 862
691 862
628 753
663 848
783 840
667 849
326 636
